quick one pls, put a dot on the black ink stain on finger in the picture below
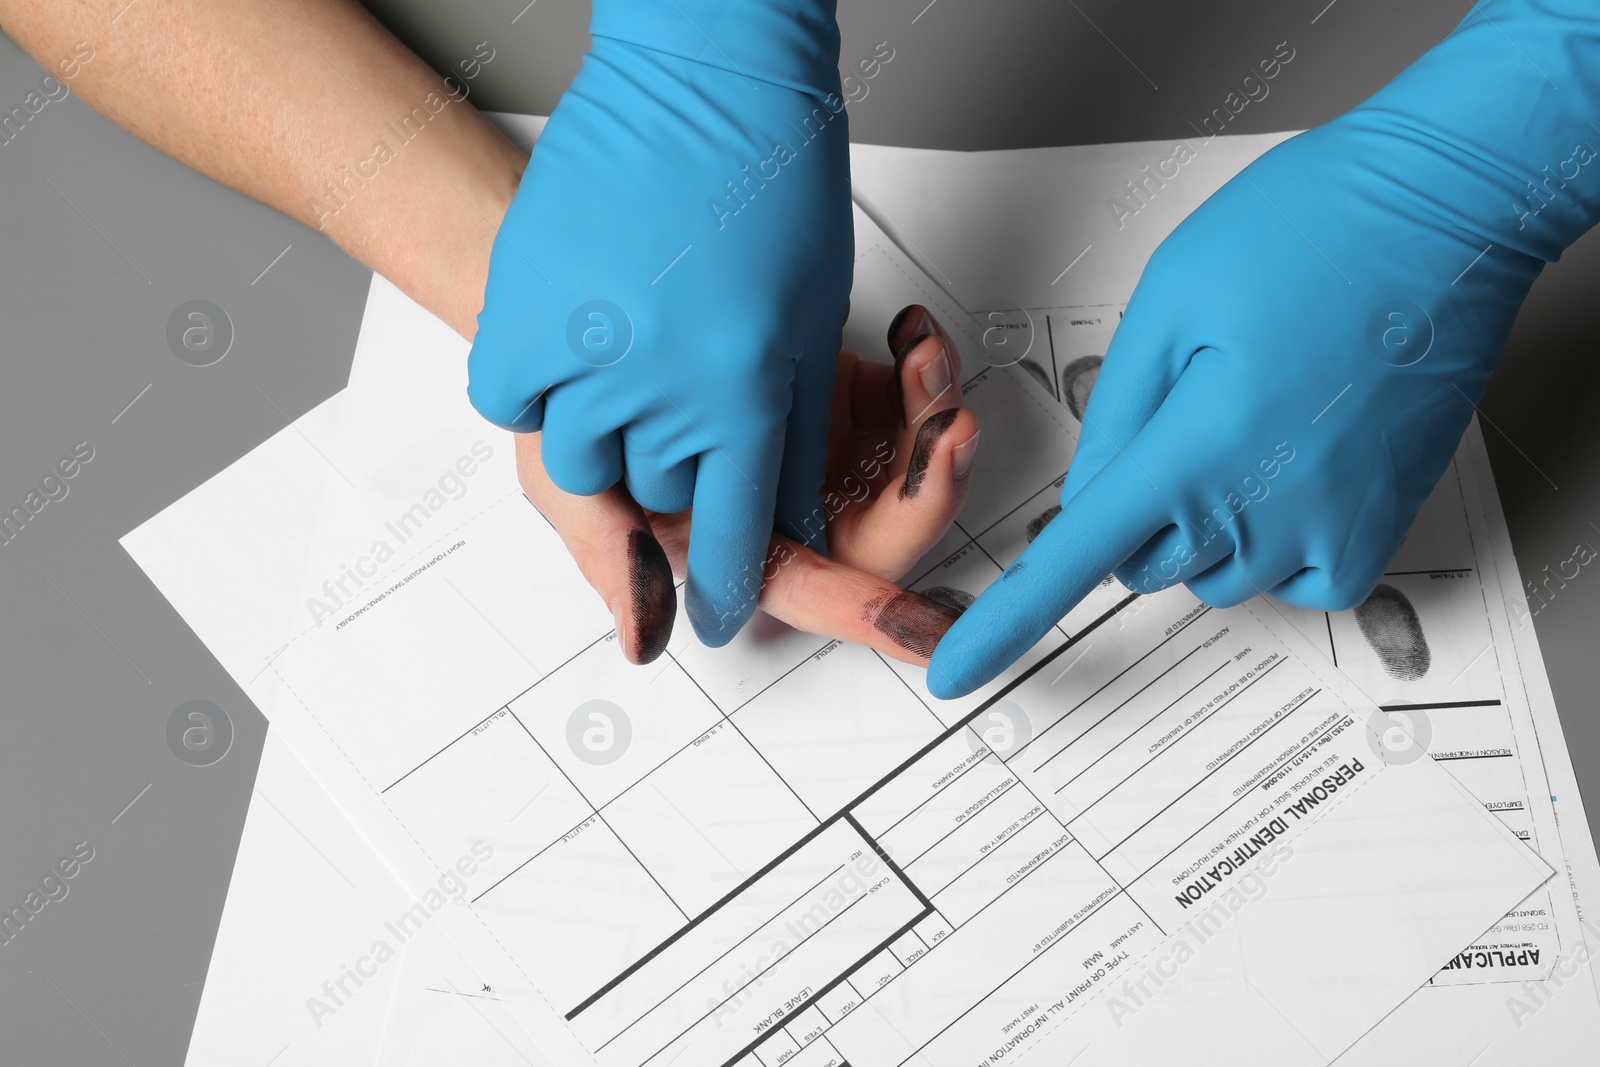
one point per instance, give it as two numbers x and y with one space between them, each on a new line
1389 622
957 600
1037 524
912 621
652 598
899 321
928 435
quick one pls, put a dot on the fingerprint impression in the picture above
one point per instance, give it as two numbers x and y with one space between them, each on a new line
1390 624
1077 381
1037 524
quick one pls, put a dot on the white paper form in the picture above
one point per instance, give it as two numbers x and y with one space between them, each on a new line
1582 864
382 619
274 948
269 976
1496 725
266 913
308 969
1446 647
1432 646
1524 992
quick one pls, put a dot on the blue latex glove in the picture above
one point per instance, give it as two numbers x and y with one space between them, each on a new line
1301 356
667 293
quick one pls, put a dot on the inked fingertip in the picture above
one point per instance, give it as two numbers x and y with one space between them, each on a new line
957 600
912 621
899 321
652 595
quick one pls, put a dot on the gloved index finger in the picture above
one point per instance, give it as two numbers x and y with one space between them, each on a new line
1099 527
729 531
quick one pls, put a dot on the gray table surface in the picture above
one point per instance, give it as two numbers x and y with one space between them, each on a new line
103 238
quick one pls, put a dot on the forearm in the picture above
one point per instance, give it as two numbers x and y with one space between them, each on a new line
1511 98
311 107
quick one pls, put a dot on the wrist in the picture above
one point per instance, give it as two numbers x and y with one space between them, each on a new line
430 228
452 285
792 43
1499 123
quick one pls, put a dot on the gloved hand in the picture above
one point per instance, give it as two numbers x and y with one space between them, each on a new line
1301 356
667 293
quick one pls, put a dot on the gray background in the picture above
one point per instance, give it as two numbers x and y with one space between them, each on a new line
93 661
